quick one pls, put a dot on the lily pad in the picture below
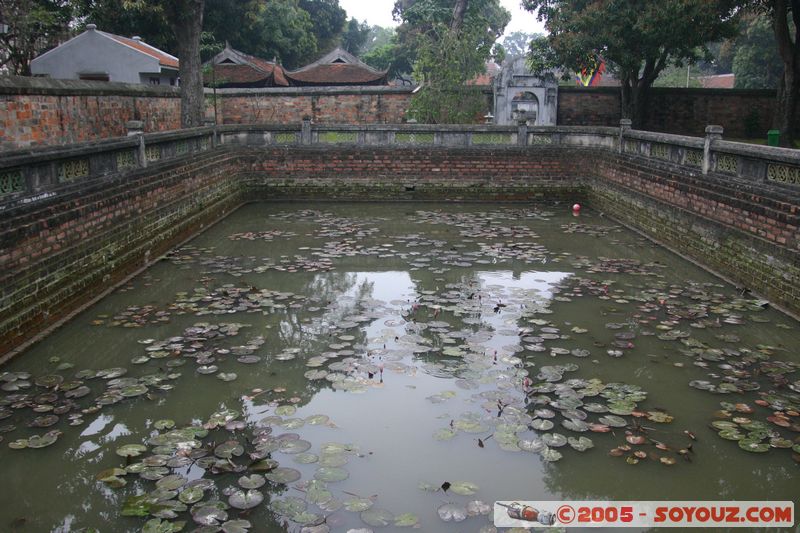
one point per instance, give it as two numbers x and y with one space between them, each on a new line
377 517
241 499
451 512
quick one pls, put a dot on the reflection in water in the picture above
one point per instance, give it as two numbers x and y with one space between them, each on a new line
421 349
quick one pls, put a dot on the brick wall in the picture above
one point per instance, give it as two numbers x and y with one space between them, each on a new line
742 113
747 232
37 111
344 108
58 253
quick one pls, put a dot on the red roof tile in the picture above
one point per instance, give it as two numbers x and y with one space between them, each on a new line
164 59
337 74
720 81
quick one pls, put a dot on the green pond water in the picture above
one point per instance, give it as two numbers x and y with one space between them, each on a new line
438 343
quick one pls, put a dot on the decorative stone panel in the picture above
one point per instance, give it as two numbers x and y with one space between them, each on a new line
541 139
182 147
414 138
659 151
152 153
728 164
126 159
338 137
73 169
783 174
491 138
284 138
694 158
11 181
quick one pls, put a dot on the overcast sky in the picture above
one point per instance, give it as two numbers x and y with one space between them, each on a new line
379 13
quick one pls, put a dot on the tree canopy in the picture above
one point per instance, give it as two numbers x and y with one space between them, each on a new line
637 40
31 25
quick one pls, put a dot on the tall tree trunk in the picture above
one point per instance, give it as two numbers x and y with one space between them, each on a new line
789 49
187 22
459 11
786 107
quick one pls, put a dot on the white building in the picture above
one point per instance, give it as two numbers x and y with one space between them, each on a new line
101 56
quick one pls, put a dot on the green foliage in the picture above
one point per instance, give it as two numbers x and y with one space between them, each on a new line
355 36
32 26
517 43
328 20
675 76
638 40
378 36
446 61
756 62
447 58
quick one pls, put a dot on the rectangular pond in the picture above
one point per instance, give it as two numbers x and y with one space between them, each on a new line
301 362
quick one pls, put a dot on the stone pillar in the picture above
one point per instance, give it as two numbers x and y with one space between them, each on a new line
713 133
134 127
522 132
142 152
305 132
624 127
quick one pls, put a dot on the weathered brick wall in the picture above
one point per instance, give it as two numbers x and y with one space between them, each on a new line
742 113
36 111
58 253
414 173
747 232
356 108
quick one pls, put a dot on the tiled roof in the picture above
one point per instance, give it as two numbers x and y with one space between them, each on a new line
164 59
337 74
720 81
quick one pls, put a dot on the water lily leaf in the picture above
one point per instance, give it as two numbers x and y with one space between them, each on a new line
406 520
131 450
252 482
316 420
157 525
331 474
463 488
451 512
444 434
171 482
245 500
137 505
294 446
191 495
236 526
289 506
750 445
580 444
283 475
164 424
308 519
42 441
358 505
377 517
229 449
285 410
306 458
550 455
209 515
478 507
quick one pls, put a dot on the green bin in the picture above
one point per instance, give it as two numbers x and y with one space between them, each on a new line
774 137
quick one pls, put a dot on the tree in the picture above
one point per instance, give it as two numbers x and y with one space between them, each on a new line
756 61
328 22
355 36
30 27
785 17
516 43
636 39
378 36
453 41
185 17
